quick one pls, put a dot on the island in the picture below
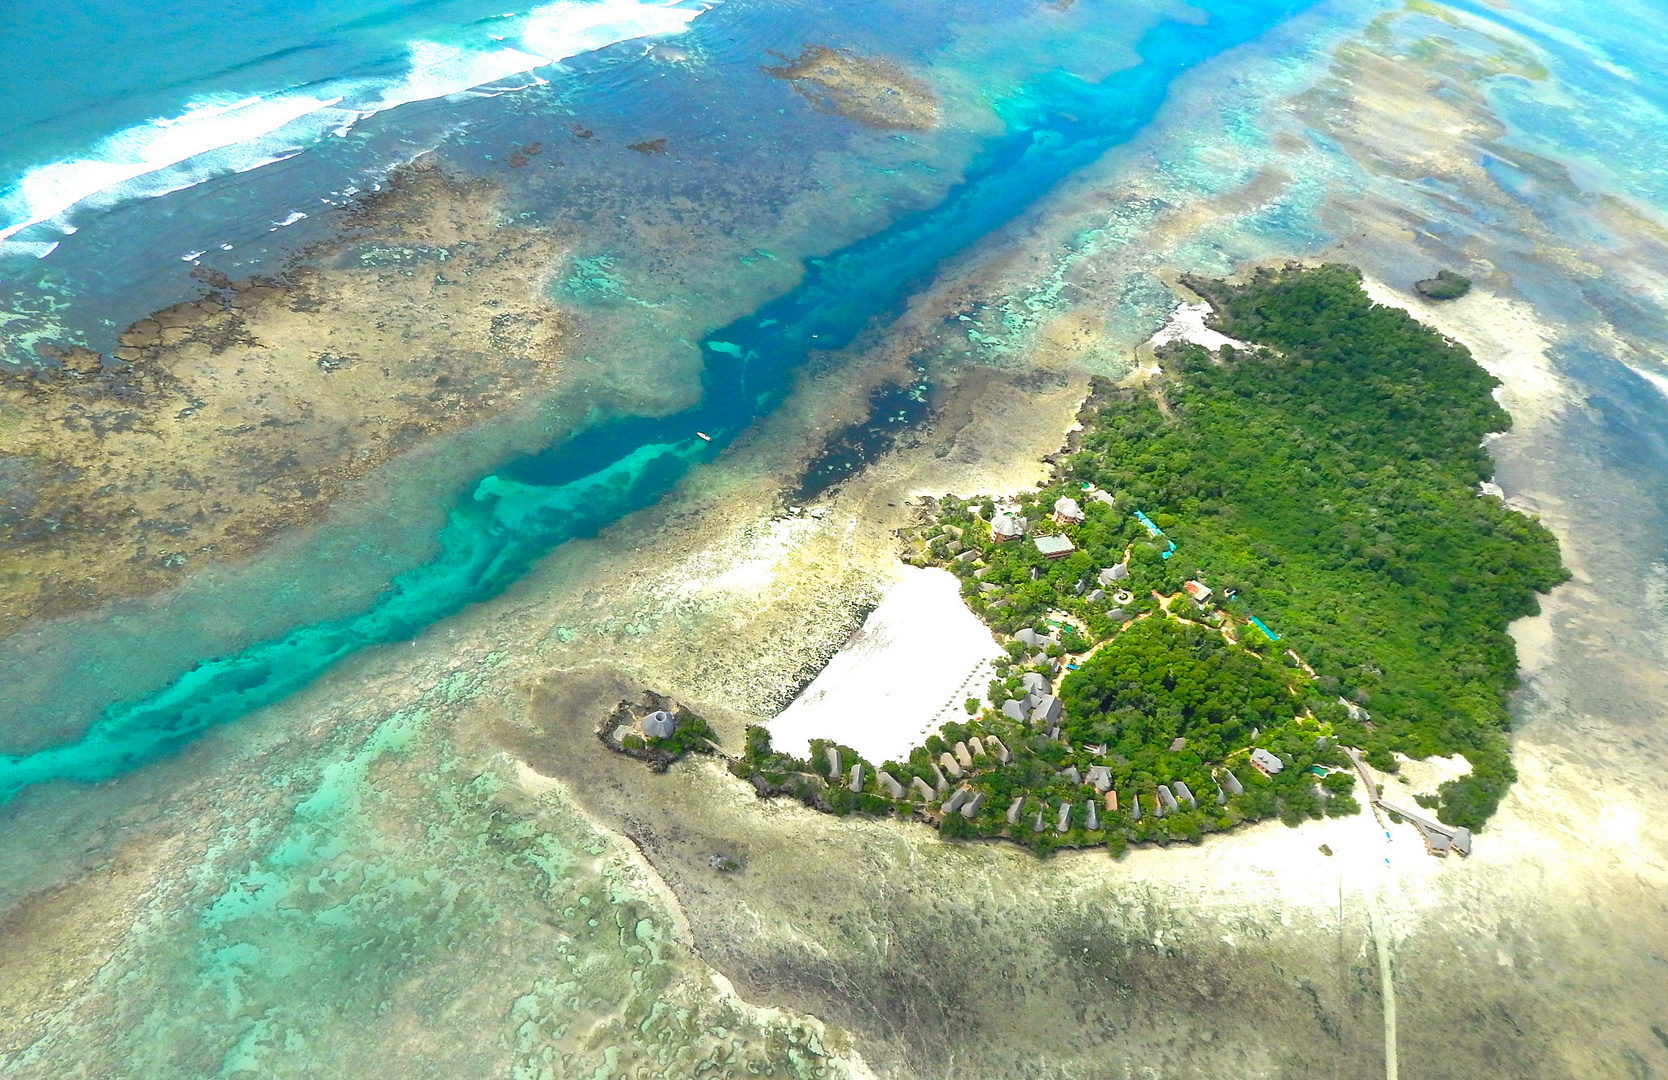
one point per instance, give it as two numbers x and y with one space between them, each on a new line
1446 285
658 730
1249 570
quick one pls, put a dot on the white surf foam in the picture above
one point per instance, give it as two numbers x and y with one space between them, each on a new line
32 249
568 28
439 71
143 159
217 136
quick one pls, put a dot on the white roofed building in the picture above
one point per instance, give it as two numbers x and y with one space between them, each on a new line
1005 526
1067 511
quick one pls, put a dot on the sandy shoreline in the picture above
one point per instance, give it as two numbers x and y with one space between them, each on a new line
904 674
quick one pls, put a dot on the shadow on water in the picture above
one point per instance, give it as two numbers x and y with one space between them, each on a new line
1053 127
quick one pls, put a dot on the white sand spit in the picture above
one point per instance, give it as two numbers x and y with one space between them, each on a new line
917 658
1187 323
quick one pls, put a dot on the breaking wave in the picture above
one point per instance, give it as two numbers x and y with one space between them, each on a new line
219 135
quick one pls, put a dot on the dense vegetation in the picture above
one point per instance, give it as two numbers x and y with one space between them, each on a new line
1163 678
1324 485
1446 285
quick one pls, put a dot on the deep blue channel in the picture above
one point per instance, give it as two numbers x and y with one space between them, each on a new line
510 519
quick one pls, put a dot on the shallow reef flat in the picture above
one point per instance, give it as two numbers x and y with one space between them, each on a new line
219 422
870 91
456 898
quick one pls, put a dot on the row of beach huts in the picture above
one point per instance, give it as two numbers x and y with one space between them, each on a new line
952 797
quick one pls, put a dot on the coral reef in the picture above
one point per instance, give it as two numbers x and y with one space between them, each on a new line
871 92
220 421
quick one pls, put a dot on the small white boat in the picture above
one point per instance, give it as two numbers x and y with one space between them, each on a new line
704 435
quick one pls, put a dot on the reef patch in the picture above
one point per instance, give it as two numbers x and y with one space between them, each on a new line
872 92
220 421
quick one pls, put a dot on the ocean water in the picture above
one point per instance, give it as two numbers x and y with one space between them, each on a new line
259 120
1053 122
194 98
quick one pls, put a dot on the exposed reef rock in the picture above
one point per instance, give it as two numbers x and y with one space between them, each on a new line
1446 285
222 420
871 92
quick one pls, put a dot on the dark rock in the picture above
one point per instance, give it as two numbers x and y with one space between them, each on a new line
1446 285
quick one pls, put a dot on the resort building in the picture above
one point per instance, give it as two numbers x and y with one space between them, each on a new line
1033 640
1067 512
1053 547
658 724
1265 762
1356 712
1005 526
1197 591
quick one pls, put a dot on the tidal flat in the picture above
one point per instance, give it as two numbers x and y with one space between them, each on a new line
388 872
217 423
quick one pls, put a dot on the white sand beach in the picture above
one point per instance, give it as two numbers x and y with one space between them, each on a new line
917 658
1187 323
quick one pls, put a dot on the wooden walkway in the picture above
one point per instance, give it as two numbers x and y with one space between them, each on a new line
1439 838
